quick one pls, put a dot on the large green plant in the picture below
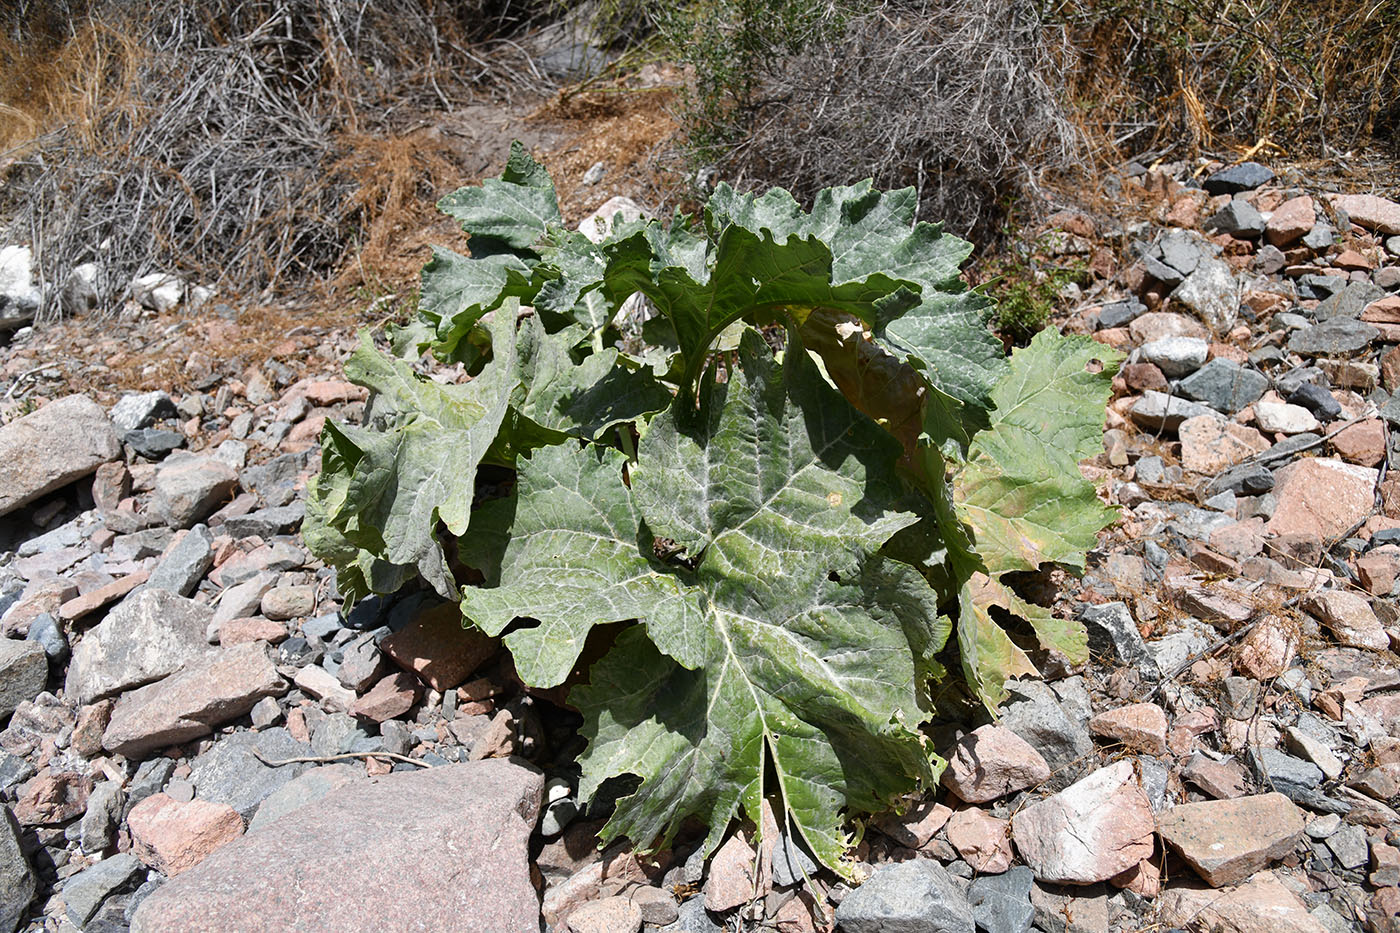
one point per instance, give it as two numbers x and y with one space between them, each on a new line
771 537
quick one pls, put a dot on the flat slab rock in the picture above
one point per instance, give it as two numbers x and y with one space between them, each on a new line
1264 905
1092 830
1226 841
439 849
151 634
63 441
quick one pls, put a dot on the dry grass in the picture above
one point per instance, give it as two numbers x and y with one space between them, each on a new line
245 144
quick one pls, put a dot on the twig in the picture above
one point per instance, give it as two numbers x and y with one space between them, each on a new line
318 759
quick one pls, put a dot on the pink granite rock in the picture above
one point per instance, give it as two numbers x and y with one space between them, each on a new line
1226 841
992 762
1322 497
171 836
1263 905
1096 828
439 849
981 839
1141 727
1366 210
1290 221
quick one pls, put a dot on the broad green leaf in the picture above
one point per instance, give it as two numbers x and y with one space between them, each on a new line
1023 495
458 291
557 398
575 556
813 677
417 466
946 337
507 214
1021 489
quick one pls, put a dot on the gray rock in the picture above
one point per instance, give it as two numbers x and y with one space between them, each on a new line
362 664
1349 846
16 877
151 778
1114 634
24 672
1158 411
791 863
275 481
14 770
1247 479
308 787
104 811
469 824
63 441
189 489
1171 651
149 635
1002 903
133 412
395 737
180 571
265 523
1241 695
323 627
154 881
1182 251
918 896
265 712
1236 178
45 632
84 892
1070 908
1349 302
1121 313
1224 385
1176 356
1161 271
1284 773
1319 237
336 734
1269 259
1338 336
1316 400
693 919
1238 218
243 599
1034 712
153 443
231 773
1213 293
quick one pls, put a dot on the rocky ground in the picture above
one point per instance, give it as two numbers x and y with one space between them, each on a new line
199 739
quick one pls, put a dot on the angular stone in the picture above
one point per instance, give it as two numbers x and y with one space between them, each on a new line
438 649
24 671
321 683
1158 324
397 827
1114 634
1096 828
730 883
1264 905
1362 443
1349 302
104 812
142 410
1223 780
1290 221
1367 210
1282 418
309 787
981 839
84 892
190 704
265 523
1338 336
1210 444
991 762
1002 903
616 914
918 896
236 770
149 635
1268 649
1321 497
1139 726
1176 356
63 441
915 828
1070 909
52 797
1158 411
17 884
1226 841
1238 218
1236 178
1224 385
186 491
185 562
173 837
1033 712
1213 293
1349 617
389 699
255 628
